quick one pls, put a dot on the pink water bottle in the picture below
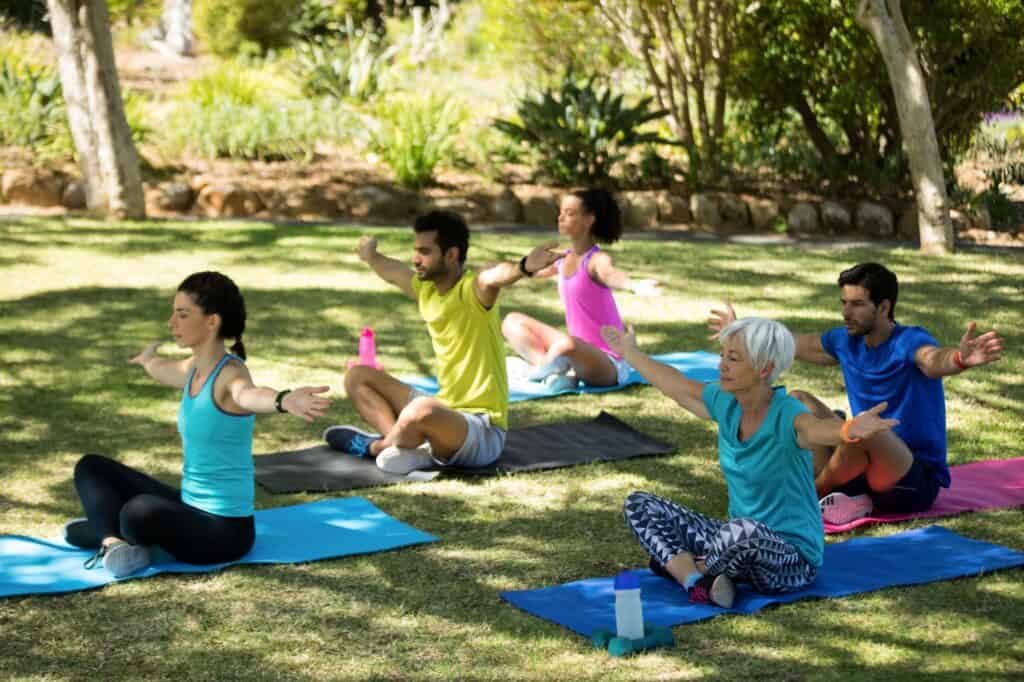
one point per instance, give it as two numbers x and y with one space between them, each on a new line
367 350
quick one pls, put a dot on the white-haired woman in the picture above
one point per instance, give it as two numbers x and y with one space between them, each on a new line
774 538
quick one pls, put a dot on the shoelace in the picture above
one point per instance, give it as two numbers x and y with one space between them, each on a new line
95 559
699 595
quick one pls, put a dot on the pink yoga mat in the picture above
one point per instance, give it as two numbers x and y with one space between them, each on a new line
979 486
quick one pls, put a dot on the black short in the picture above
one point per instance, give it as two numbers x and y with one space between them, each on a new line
915 492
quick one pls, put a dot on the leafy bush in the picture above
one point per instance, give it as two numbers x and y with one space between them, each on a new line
32 109
413 134
243 27
26 14
350 64
578 133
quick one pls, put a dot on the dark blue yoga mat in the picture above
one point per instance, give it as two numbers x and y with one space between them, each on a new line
285 535
860 565
700 366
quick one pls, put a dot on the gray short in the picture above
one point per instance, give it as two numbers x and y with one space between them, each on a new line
484 441
622 369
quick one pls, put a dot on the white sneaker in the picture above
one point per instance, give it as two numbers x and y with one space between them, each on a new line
401 461
839 509
122 558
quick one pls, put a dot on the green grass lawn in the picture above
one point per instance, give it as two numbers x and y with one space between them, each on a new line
78 297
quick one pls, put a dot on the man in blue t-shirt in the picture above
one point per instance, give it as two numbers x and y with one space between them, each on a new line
895 471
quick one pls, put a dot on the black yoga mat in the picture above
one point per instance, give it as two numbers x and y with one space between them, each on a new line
547 446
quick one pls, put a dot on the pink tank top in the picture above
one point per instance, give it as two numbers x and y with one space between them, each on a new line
588 305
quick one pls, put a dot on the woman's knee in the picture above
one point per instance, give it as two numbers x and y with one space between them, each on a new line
420 410
88 465
513 325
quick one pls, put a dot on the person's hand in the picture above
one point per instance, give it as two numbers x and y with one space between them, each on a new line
868 423
305 402
981 350
542 256
147 354
645 287
618 340
720 319
367 248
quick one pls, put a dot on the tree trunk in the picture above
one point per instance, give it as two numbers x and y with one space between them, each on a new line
883 19
103 140
176 23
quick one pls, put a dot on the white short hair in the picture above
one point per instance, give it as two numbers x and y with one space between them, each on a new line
767 342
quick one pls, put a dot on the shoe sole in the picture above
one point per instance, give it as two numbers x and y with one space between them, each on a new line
723 592
842 509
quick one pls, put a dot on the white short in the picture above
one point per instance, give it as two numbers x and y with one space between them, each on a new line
622 369
484 442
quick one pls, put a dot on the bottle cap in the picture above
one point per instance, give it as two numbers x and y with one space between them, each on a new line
627 580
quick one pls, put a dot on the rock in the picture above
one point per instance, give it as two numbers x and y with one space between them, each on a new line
733 210
764 213
228 201
672 209
73 196
506 207
874 219
306 202
372 201
469 209
835 218
540 207
31 187
980 217
803 218
175 196
639 209
704 209
907 228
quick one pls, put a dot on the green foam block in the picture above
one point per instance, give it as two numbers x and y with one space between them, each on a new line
621 646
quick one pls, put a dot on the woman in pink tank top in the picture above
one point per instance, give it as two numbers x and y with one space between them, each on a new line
586 278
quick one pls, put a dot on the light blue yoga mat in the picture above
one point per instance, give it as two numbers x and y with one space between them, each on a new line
285 535
699 365
861 565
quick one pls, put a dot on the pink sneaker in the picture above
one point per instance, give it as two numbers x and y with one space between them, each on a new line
713 589
839 509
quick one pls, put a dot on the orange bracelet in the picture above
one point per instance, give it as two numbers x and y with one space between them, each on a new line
844 432
958 360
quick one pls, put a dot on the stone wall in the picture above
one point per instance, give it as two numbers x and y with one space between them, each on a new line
528 205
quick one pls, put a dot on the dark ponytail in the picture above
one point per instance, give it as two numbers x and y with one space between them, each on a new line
216 293
607 218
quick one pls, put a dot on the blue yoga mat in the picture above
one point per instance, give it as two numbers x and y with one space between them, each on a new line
285 535
699 365
861 565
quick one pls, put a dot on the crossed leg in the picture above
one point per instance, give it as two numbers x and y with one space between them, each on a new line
386 404
884 459
539 343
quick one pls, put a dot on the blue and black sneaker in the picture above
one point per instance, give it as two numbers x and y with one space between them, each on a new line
350 440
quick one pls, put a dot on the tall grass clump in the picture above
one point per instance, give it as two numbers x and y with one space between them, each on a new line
252 114
414 133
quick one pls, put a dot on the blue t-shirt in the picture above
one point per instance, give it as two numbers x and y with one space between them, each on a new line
888 372
217 475
770 478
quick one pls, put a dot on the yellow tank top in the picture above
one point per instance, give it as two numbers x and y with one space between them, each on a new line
470 350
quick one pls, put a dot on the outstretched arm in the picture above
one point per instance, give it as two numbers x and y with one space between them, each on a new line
604 271
808 346
388 269
304 402
974 351
812 431
490 282
666 379
173 373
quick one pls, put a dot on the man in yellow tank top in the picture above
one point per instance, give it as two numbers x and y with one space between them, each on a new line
465 423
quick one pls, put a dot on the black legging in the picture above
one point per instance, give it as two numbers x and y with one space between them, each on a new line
121 502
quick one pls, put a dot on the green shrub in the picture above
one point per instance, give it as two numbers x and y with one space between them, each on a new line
32 110
350 64
578 133
413 134
243 27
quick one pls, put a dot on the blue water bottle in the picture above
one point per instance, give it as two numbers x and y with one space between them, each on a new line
629 611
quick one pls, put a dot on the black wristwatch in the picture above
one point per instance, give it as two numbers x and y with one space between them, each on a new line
522 267
279 400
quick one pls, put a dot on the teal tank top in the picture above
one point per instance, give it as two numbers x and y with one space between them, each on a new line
218 472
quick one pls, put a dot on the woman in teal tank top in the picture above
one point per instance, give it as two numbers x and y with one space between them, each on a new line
210 519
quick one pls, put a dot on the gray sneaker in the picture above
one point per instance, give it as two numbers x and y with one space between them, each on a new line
121 558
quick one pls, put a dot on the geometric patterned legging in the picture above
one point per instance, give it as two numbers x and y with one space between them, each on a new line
743 549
